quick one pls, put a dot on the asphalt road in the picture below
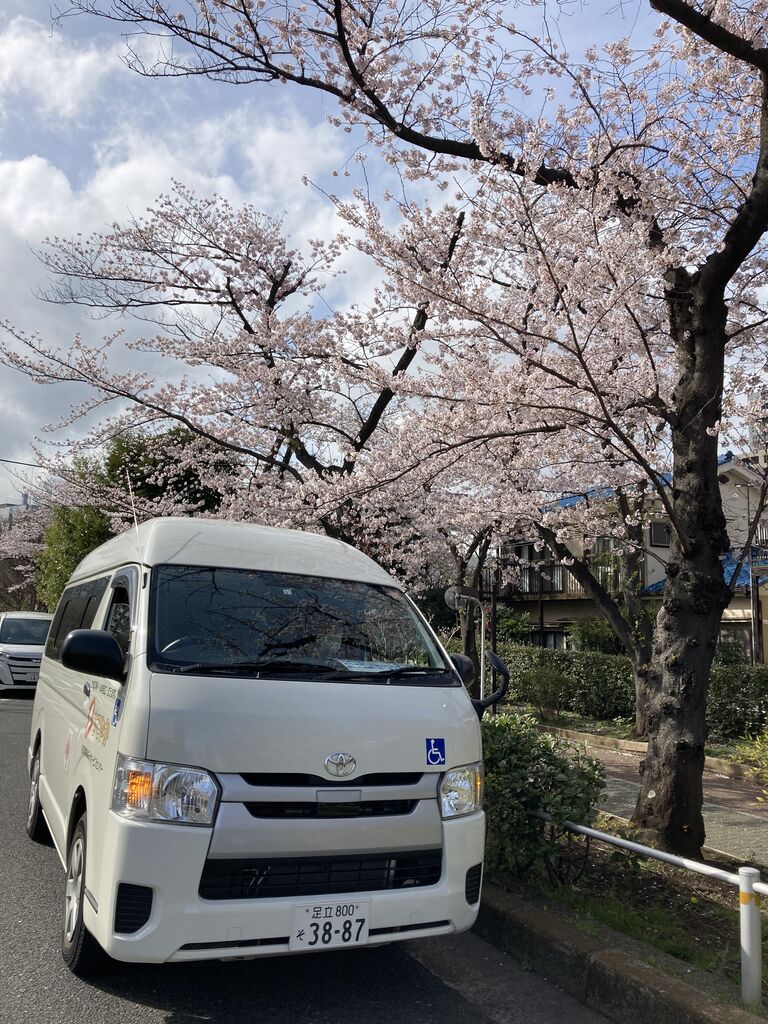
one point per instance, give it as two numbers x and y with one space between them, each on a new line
458 980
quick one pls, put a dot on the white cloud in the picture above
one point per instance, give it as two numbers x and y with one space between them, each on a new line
32 194
250 154
55 75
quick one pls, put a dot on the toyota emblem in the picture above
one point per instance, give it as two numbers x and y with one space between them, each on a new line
340 764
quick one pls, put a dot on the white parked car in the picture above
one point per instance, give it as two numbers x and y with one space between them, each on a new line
22 639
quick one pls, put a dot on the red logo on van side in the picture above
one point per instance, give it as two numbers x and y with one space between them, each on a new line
91 710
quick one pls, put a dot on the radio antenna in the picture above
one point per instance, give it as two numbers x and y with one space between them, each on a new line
135 517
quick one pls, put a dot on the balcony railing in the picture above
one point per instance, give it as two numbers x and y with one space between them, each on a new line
549 578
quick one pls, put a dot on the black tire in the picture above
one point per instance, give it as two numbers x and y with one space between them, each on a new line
82 953
35 823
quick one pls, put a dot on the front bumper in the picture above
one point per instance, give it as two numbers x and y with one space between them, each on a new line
6 679
169 859
15 675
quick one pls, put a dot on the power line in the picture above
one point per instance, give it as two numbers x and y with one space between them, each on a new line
15 462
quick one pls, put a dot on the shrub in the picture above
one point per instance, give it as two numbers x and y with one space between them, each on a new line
528 773
737 702
595 635
547 691
604 685
512 627
754 750
730 650
595 685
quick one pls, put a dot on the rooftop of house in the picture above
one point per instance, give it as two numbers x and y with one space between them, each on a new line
730 563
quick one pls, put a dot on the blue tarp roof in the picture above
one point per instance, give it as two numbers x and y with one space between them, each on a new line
728 561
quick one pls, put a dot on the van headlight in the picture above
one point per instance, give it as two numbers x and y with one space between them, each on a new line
461 791
152 791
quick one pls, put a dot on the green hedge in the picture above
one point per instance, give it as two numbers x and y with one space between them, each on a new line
527 774
601 686
737 702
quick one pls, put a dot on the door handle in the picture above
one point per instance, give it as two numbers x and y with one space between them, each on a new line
87 689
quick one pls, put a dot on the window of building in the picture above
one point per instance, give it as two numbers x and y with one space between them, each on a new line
660 535
553 639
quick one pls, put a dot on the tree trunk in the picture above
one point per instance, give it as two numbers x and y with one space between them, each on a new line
695 593
468 621
641 659
674 716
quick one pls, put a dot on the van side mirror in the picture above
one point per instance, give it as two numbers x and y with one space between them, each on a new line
465 667
493 699
93 651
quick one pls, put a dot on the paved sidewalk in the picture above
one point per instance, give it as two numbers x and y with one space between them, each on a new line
735 820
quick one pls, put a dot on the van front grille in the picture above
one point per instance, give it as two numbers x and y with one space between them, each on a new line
361 809
295 780
318 876
24 669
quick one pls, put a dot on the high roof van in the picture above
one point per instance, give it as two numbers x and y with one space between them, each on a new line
248 741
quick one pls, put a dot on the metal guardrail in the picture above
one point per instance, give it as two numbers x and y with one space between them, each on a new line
751 891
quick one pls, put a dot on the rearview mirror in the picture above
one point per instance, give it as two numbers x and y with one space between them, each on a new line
93 651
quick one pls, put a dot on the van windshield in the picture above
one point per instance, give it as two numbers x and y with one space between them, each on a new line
24 631
211 621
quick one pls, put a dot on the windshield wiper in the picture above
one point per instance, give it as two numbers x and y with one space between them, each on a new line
272 666
285 666
409 670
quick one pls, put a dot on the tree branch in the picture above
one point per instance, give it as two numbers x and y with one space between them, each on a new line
719 36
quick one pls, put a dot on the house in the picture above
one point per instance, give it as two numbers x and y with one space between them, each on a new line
527 579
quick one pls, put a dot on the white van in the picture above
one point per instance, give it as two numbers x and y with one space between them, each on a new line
22 637
247 741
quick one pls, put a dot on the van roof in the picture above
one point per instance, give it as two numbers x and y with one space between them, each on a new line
216 542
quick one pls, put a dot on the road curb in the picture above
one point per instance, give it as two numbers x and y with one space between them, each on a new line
608 976
713 764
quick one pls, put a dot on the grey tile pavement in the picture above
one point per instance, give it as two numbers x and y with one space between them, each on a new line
736 822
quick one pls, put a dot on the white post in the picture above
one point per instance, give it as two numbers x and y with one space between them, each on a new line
751 943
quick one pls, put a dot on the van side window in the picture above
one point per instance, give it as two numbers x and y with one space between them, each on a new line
76 610
119 618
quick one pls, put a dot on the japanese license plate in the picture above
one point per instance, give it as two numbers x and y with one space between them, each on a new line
330 925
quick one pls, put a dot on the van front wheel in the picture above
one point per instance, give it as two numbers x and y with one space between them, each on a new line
82 953
35 824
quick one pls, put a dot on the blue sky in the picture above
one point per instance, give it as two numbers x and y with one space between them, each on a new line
84 141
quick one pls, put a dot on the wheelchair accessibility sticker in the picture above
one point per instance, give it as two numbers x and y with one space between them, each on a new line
435 751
